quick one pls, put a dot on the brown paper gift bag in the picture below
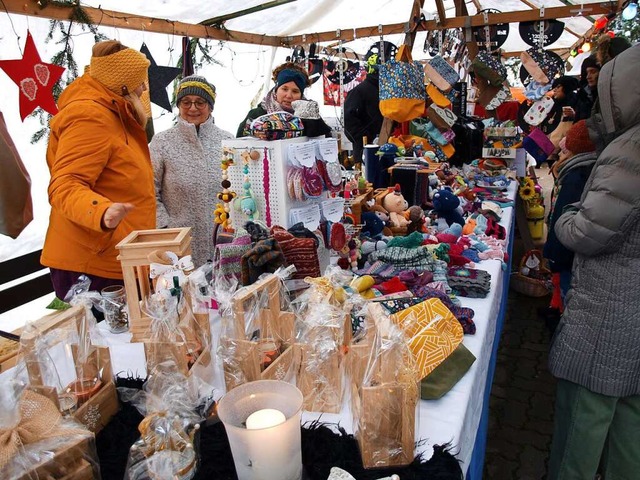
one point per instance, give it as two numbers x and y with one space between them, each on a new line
16 209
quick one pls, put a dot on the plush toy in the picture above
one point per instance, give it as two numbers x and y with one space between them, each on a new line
446 204
372 225
415 215
392 201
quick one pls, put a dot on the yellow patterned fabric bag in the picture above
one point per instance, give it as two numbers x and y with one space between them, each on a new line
402 92
433 333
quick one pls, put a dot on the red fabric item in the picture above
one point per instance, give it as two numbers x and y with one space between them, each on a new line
507 111
446 238
455 255
391 286
556 297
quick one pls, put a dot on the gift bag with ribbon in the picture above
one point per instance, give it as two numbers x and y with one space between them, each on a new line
402 91
164 266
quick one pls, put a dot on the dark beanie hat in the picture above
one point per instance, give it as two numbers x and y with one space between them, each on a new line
569 84
196 85
590 62
577 139
617 45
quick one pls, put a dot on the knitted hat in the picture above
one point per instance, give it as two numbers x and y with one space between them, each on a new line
121 72
196 85
290 75
569 84
577 139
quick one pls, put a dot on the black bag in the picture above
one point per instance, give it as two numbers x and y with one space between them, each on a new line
468 141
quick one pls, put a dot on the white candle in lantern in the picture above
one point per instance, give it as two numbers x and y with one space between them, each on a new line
265 418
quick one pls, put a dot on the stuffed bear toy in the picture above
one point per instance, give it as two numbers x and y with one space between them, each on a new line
372 226
445 204
392 201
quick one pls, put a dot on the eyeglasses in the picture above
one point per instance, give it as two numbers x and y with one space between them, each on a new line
186 104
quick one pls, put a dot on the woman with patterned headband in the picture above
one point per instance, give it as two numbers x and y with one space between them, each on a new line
290 82
101 186
186 165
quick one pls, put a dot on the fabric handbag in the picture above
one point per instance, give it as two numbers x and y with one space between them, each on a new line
490 68
538 145
16 208
227 257
539 111
423 127
433 333
533 69
276 126
441 73
402 91
540 65
447 374
437 96
441 117
535 90
499 98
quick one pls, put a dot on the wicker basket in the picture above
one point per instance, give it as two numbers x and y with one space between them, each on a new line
538 286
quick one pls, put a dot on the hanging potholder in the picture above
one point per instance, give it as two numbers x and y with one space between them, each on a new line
490 68
550 63
312 182
539 111
441 74
499 98
549 124
535 91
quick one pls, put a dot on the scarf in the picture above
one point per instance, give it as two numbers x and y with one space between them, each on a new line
270 104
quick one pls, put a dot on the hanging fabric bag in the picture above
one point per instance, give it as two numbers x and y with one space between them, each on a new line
402 91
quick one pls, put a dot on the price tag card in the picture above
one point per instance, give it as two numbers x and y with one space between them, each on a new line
309 215
333 209
303 153
328 149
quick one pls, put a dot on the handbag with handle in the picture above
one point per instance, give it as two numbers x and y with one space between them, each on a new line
433 333
490 68
16 208
441 74
402 91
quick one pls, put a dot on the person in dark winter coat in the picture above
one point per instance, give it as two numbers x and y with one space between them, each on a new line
595 351
362 117
588 91
571 171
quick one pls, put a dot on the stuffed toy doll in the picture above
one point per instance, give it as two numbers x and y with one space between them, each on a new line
392 201
445 204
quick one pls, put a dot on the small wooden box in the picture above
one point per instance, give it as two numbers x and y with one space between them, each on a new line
134 251
243 357
96 412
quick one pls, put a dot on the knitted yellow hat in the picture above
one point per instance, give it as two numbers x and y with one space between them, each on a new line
126 68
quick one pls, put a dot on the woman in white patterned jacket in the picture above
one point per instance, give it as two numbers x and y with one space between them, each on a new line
186 164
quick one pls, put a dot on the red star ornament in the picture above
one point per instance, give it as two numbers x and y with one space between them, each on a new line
34 78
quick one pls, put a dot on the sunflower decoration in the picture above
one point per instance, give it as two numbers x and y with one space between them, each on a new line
529 182
527 193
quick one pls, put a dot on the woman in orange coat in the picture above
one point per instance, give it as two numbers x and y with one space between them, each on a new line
101 184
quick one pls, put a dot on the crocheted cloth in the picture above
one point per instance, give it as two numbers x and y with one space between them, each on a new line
228 256
406 258
468 282
301 252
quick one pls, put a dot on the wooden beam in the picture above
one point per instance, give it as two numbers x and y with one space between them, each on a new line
109 18
219 20
601 8
442 14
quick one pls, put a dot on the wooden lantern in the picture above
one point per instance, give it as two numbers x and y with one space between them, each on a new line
134 251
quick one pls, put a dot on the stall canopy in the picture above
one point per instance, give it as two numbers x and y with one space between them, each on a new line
296 22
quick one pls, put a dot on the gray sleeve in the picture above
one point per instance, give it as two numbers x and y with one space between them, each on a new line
607 209
157 160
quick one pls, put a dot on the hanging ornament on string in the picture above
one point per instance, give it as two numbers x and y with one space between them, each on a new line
247 203
34 78
490 37
187 58
222 211
159 79
531 34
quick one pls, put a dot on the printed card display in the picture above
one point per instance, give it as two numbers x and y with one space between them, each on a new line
309 215
303 154
333 209
328 149
494 152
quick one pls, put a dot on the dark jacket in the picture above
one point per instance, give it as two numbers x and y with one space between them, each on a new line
584 103
362 115
572 178
596 343
252 115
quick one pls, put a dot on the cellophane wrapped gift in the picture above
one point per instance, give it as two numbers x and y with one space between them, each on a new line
168 443
64 355
174 333
257 331
323 336
36 441
384 406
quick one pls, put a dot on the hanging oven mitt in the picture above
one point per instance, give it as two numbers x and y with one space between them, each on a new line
441 74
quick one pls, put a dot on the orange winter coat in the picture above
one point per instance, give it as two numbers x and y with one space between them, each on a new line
97 155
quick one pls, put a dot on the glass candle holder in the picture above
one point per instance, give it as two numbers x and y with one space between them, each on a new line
270 452
114 303
84 389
